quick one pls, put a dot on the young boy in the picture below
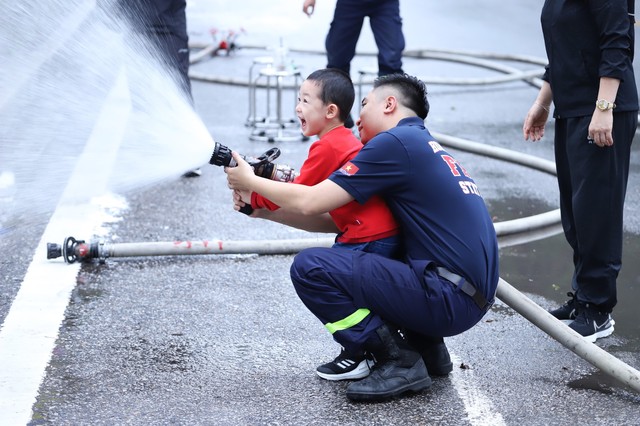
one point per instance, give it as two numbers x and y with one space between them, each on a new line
324 103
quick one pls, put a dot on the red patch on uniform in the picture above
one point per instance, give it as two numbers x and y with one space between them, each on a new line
349 168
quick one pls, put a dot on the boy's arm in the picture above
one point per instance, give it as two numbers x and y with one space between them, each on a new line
257 202
301 199
319 223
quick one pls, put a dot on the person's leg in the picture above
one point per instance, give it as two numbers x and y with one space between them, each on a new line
356 365
343 34
362 298
568 310
170 33
399 368
433 350
353 293
386 25
599 181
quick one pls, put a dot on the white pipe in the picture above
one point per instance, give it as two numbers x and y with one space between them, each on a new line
513 74
418 53
182 248
586 350
497 152
425 53
201 54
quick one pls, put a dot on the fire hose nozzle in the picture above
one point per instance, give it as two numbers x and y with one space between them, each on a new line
73 250
54 250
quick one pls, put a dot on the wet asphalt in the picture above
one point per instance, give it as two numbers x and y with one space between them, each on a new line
224 339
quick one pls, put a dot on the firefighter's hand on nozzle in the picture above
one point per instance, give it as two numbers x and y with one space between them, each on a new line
239 177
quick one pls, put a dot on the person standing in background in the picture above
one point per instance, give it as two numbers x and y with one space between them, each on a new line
344 32
590 79
164 23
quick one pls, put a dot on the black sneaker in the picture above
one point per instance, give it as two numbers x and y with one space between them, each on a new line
568 311
346 366
592 324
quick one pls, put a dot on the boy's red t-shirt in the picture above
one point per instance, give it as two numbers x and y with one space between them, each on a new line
357 223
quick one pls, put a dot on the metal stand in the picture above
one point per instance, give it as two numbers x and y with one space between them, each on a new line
276 128
252 119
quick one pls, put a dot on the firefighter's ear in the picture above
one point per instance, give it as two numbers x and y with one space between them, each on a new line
390 103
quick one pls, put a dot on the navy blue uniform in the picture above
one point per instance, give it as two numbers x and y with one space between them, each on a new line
586 40
444 223
386 25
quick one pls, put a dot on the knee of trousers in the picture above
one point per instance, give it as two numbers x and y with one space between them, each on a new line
307 269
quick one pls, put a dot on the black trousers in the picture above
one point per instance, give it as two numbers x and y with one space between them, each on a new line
386 25
169 32
593 183
164 24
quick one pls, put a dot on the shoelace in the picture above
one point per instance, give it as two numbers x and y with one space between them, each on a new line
370 359
573 299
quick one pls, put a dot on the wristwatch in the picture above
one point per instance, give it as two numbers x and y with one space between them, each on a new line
604 105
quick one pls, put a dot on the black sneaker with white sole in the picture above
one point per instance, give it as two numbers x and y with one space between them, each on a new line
592 324
568 311
346 366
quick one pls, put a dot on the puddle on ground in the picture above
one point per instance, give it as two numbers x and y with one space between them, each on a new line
545 268
597 381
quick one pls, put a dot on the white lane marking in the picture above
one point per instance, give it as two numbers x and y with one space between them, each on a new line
30 330
479 408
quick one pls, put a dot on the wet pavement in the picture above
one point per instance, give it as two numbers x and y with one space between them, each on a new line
225 340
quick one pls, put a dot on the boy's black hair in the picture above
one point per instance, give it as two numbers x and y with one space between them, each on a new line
336 87
412 89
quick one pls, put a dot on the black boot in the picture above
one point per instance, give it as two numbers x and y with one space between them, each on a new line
434 352
398 369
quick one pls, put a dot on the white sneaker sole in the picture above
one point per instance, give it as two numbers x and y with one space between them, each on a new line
361 371
600 334
567 322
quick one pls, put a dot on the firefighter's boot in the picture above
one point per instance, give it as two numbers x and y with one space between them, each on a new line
398 369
